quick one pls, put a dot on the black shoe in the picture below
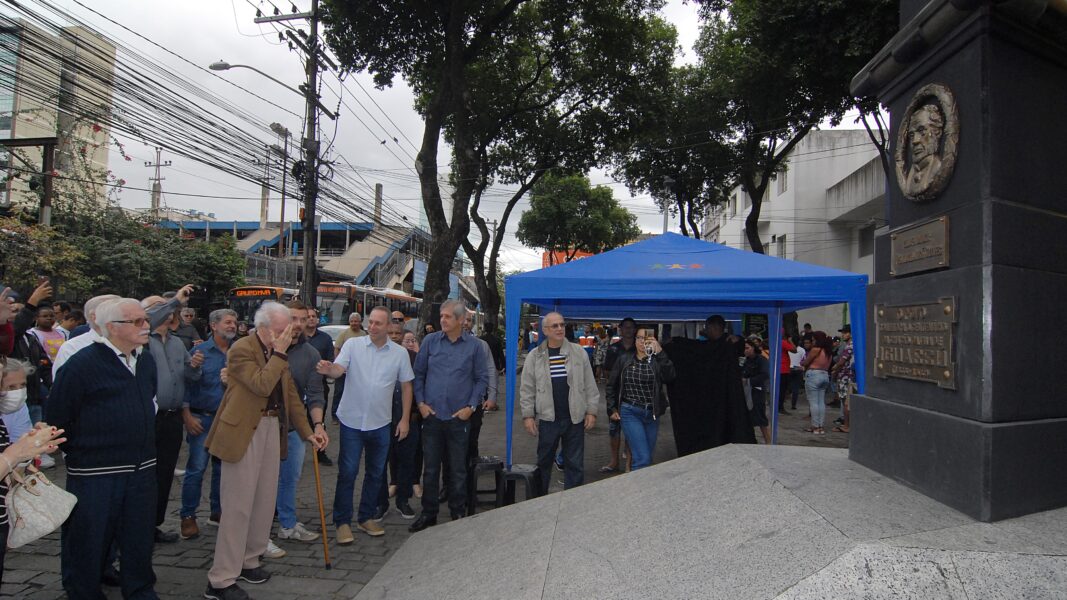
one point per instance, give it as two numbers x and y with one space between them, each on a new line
323 459
379 515
422 522
783 411
456 515
256 575
405 510
166 537
227 593
111 578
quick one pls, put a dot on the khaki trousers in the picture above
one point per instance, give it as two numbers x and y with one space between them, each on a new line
249 488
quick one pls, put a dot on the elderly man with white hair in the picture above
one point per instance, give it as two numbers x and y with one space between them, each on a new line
249 435
102 397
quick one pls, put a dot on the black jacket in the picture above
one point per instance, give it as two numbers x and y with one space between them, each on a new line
29 349
663 369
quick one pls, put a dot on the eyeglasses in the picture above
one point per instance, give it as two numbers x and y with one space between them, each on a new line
555 326
138 321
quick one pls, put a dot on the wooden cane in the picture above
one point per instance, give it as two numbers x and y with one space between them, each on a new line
322 512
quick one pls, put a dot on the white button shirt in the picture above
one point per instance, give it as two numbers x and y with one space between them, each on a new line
371 373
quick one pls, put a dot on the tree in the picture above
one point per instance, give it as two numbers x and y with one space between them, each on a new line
567 215
779 68
439 47
558 106
680 154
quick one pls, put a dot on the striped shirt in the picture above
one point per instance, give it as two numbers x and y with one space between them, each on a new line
561 389
5 441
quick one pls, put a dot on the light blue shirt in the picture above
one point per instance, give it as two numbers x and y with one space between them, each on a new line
371 374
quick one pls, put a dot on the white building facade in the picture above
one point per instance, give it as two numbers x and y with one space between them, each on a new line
823 208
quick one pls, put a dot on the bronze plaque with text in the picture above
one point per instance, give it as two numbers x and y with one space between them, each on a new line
919 248
914 341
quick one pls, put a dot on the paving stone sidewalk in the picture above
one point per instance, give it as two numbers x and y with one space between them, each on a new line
32 572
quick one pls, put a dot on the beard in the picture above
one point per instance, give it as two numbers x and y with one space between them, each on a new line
228 335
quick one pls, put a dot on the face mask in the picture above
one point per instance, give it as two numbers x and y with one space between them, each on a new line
12 400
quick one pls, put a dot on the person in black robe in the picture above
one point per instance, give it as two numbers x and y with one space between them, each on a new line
707 396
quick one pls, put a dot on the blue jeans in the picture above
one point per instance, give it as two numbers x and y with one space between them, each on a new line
549 434
195 468
288 477
641 431
375 445
816 384
441 439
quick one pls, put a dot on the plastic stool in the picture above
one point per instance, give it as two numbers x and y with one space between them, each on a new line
479 465
529 474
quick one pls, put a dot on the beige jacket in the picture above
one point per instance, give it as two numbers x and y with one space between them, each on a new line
535 393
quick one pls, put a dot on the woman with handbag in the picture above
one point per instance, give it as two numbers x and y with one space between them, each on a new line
39 440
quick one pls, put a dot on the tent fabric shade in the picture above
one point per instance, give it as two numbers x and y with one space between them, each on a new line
671 277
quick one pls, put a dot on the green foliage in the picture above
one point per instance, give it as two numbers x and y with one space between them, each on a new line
567 215
29 251
516 86
768 72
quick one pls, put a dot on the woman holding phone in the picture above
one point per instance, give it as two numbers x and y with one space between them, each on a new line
635 395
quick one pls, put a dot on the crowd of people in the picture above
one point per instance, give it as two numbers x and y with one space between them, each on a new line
120 383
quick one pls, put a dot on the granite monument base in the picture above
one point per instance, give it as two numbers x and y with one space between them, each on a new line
735 522
990 471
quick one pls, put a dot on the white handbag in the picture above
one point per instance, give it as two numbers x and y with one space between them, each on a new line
35 507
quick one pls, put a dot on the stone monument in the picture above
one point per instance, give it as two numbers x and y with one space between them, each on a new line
966 400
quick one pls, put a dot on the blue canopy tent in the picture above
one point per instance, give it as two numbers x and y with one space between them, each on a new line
675 278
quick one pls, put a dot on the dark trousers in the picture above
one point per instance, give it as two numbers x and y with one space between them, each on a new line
338 391
441 441
110 508
472 444
402 471
795 379
549 434
168 443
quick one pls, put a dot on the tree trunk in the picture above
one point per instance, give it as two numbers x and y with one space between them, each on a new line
694 227
681 216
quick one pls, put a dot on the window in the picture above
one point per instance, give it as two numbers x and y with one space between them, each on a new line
866 241
780 247
783 182
733 205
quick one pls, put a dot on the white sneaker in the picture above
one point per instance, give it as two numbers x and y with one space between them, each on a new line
47 462
273 551
298 532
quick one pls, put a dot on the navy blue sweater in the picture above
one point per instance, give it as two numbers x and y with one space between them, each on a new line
107 412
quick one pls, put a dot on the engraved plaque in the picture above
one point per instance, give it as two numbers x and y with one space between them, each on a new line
914 341
919 248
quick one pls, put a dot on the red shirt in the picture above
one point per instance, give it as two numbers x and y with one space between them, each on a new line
787 347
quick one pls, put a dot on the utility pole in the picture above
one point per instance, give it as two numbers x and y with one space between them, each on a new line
284 133
157 186
311 161
264 192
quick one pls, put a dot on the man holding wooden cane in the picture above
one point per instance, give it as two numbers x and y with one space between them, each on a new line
249 437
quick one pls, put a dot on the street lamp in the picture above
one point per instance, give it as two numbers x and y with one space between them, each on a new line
225 66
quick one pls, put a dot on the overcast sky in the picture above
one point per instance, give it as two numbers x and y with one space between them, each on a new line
205 31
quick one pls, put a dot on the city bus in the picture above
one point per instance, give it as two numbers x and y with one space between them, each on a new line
247 299
338 300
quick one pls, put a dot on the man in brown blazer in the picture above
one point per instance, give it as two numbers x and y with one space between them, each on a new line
249 436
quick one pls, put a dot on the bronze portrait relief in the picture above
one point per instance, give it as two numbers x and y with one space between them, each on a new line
927 143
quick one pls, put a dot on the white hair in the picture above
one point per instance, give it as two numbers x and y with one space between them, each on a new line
112 311
457 307
13 365
266 312
92 304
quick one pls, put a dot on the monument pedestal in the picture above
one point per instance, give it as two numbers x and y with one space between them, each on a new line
965 399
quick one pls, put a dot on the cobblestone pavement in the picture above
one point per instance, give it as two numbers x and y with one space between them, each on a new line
32 572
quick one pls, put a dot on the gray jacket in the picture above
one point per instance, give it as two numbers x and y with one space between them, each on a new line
302 360
172 370
535 394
